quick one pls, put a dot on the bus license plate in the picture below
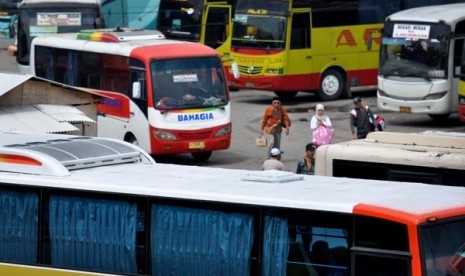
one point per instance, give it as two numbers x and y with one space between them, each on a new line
196 145
249 84
405 109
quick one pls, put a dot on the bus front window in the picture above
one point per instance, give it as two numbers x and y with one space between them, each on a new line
188 83
181 19
36 20
414 57
257 31
443 248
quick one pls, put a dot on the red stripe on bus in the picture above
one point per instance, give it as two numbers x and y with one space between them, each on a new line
18 159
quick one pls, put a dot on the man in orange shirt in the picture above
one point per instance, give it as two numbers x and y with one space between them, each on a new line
274 119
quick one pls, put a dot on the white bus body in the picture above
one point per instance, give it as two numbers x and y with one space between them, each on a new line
420 60
119 62
428 157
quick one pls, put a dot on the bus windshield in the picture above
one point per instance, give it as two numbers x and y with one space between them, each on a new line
34 21
443 247
257 31
181 19
424 57
188 83
260 24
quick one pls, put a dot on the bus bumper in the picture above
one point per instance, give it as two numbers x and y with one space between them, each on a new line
276 83
176 147
189 141
440 106
462 113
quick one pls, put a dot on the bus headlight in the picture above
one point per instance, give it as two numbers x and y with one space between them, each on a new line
436 96
164 135
274 71
223 131
381 93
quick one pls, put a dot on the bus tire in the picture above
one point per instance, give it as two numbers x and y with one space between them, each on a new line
286 95
332 85
439 117
132 139
201 156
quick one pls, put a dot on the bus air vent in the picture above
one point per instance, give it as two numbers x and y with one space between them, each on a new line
84 152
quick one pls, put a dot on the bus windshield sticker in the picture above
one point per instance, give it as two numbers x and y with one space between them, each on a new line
240 18
59 19
185 78
42 30
411 31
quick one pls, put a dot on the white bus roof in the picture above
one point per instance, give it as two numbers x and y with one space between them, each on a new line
450 14
128 40
244 187
428 149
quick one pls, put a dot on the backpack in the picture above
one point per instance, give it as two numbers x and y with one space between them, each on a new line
283 119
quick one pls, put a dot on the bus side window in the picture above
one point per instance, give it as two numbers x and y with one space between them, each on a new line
458 47
90 70
114 74
317 245
300 34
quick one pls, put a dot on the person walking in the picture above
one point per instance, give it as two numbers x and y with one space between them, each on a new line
274 119
306 165
274 162
360 120
320 124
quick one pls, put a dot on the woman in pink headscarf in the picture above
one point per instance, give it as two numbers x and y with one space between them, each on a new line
320 118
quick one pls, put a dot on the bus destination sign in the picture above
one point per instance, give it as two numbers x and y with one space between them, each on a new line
411 31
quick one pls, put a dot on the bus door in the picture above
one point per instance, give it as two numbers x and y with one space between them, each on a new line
299 58
139 97
217 28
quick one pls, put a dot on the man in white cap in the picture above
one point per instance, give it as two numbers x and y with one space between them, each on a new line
274 163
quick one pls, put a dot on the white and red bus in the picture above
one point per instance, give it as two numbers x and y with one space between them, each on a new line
167 96
95 206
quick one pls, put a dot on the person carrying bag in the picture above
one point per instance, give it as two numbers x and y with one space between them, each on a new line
320 124
274 120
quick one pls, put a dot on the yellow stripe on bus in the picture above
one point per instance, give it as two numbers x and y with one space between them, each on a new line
12 269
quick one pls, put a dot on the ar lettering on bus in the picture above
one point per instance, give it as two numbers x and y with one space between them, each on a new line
346 38
195 117
254 11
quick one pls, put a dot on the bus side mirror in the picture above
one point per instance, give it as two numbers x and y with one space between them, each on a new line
136 90
370 42
235 70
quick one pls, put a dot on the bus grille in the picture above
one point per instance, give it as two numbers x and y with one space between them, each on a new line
250 70
195 135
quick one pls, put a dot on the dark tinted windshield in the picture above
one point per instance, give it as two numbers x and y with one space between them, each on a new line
181 19
34 21
443 248
414 50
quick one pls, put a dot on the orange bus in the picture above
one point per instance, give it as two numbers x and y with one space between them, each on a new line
110 209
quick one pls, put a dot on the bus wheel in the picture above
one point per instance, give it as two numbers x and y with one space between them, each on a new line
439 117
201 156
131 139
331 86
286 95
